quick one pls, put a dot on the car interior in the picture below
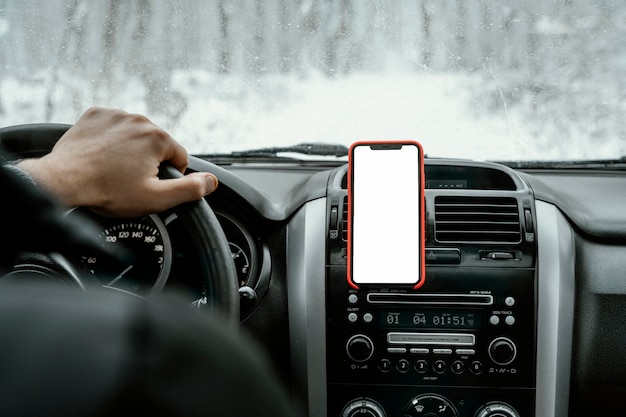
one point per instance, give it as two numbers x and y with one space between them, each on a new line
522 310
519 314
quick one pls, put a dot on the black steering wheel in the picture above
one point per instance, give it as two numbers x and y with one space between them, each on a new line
218 270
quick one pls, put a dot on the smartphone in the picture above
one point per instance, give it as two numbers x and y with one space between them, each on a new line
386 214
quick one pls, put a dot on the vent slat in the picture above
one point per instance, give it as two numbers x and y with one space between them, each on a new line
477 232
477 220
473 222
496 206
344 220
486 213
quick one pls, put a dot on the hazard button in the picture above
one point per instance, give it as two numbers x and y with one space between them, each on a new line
443 256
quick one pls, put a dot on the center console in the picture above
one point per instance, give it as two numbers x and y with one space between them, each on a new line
463 344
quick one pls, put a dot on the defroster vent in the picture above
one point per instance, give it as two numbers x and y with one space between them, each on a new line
477 220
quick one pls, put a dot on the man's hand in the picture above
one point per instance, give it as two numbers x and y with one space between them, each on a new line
109 161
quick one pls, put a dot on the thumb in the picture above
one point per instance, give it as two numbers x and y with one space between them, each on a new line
172 192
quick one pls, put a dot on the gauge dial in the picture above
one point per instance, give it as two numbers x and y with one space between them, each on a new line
149 254
242 248
242 263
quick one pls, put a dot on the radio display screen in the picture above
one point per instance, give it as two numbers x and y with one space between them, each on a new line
431 319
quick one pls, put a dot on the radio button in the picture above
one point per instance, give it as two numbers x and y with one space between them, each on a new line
384 365
360 348
419 351
442 351
443 256
403 366
476 367
439 366
396 350
502 351
421 366
458 367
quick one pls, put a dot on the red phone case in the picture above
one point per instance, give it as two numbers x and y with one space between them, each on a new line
422 272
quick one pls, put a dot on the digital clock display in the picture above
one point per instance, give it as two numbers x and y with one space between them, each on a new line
432 319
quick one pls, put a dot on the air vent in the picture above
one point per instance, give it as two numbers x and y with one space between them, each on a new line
344 220
477 220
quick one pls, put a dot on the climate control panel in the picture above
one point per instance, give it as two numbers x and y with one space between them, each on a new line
425 405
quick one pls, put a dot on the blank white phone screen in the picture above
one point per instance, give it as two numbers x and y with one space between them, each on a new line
386 232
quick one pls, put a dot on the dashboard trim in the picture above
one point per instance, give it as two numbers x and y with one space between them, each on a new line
306 290
555 310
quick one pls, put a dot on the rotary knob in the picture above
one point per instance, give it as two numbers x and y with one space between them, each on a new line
502 351
360 348
363 407
496 409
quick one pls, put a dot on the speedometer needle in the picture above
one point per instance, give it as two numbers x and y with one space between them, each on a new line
120 276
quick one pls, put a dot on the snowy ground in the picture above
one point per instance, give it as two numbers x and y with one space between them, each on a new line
210 113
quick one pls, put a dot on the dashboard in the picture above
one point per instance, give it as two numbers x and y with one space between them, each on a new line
522 312
520 319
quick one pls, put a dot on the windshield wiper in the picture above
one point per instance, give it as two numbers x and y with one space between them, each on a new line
317 149
305 149
619 163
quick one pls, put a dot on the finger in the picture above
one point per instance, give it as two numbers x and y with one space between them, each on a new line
176 154
172 192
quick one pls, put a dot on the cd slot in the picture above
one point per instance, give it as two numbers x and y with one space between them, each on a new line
430 299
455 339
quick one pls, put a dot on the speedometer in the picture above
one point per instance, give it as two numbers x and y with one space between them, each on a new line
149 254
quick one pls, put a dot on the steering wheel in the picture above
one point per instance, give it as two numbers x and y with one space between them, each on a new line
218 270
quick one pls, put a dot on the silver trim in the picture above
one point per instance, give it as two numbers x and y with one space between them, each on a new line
306 291
168 255
555 310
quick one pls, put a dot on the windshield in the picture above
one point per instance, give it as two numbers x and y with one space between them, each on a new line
488 80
